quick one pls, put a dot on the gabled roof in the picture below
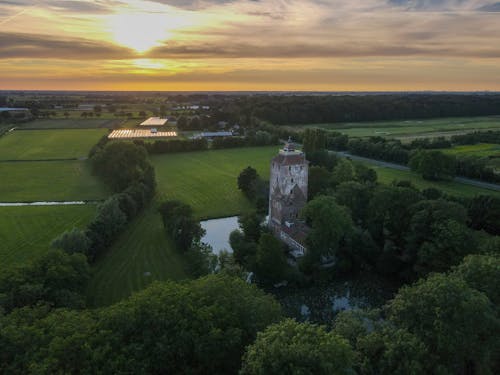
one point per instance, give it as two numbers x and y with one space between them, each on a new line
290 159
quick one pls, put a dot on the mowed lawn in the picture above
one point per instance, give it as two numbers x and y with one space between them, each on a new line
207 180
48 144
140 256
26 232
49 181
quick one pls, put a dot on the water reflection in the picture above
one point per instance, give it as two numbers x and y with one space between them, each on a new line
217 233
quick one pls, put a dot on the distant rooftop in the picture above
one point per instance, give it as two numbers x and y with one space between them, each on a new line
154 121
216 134
139 133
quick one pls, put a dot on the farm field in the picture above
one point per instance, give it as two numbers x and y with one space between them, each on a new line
26 232
387 175
72 123
49 181
207 179
48 144
140 256
482 149
410 129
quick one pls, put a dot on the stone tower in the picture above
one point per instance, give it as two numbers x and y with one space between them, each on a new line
288 195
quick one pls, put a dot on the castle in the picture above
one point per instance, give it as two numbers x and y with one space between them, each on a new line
287 196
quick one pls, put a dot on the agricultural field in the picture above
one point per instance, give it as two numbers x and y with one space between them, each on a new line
48 144
72 123
26 232
488 150
207 179
407 130
388 175
49 181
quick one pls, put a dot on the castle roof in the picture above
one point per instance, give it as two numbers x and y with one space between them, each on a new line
290 158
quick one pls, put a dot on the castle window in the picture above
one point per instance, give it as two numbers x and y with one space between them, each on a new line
292 180
290 168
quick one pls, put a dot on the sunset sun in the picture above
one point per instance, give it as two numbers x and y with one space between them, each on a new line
140 32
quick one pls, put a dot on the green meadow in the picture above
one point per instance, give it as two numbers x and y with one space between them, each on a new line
72 123
409 129
26 232
49 181
207 180
48 144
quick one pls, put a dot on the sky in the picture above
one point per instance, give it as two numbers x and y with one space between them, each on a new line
194 45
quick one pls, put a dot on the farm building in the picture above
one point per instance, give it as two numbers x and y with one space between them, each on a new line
140 133
154 121
214 134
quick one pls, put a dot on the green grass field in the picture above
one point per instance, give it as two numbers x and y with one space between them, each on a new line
26 232
49 181
141 255
409 129
387 175
48 144
489 150
72 123
207 180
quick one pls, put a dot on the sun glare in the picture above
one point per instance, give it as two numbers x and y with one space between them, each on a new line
140 32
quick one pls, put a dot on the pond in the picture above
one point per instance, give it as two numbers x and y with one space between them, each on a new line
321 303
217 233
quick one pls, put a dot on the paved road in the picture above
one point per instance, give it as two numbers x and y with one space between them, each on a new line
461 180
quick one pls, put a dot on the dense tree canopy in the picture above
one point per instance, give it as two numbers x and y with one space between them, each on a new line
298 349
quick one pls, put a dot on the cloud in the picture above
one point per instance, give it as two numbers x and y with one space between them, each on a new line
495 7
18 45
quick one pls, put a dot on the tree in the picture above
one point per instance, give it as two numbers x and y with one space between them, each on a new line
244 251
433 165
297 348
313 140
438 237
392 351
182 122
73 241
484 213
247 181
481 272
121 164
357 197
343 172
270 261
454 321
331 226
251 225
55 278
180 224
318 181
197 327
195 123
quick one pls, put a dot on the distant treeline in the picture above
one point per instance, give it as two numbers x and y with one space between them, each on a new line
282 110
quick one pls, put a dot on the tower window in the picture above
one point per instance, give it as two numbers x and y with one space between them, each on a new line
292 180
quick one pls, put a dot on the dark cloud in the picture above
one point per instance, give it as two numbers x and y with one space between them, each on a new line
490 8
428 4
89 7
17 45
226 50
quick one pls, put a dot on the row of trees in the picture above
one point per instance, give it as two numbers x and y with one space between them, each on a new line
174 145
286 110
126 170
